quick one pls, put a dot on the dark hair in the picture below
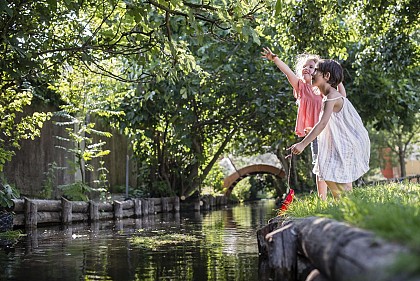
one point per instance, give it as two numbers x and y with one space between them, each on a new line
335 70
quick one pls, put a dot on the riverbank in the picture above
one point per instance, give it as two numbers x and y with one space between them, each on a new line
390 212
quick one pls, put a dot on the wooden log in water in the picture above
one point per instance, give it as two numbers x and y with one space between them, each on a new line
70 211
105 215
305 268
224 200
156 201
121 212
127 204
128 213
18 205
44 205
336 250
80 207
48 217
78 217
106 207
341 252
282 256
205 199
315 275
261 237
212 201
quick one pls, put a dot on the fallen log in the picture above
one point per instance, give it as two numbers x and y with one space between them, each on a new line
334 249
262 233
282 252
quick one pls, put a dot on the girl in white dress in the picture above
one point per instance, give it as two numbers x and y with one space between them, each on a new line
343 142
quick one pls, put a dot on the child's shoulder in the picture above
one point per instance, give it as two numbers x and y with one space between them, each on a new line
333 94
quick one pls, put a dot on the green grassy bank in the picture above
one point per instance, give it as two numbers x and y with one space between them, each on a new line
392 211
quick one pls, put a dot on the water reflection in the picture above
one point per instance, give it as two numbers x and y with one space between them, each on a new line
225 248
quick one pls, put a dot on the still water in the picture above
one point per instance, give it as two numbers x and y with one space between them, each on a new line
223 246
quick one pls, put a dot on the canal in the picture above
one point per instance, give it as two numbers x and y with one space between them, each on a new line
216 245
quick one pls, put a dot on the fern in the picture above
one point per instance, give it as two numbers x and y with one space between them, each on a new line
77 191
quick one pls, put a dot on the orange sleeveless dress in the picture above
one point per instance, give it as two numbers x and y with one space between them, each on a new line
309 108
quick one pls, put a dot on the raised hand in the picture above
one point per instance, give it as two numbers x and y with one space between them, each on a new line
268 54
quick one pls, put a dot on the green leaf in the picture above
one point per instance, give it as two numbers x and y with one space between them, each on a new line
278 8
184 93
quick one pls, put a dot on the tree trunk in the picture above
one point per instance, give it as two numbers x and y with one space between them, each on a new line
196 181
401 158
283 160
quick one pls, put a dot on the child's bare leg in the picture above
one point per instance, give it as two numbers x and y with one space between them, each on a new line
334 189
322 188
338 188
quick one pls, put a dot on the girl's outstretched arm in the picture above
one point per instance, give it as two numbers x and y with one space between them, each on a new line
291 76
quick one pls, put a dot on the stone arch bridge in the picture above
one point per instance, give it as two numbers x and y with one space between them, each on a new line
231 180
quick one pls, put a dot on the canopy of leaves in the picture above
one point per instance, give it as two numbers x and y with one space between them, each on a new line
195 84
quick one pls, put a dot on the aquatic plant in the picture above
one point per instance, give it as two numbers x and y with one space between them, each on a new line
154 242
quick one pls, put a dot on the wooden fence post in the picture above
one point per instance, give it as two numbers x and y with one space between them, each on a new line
176 204
145 206
164 202
93 211
118 210
151 207
66 211
137 207
31 211
197 206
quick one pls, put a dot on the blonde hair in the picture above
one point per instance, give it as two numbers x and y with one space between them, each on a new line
302 59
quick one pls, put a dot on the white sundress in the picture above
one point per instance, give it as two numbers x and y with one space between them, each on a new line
343 146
